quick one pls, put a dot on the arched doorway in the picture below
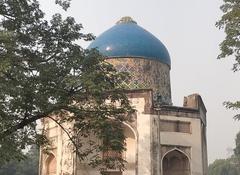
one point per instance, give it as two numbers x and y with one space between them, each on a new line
175 162
129 154
51 165
131 149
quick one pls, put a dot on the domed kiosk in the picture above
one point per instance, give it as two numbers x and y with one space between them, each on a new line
160 139
133 49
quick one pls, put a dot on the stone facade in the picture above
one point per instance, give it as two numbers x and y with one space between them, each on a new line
152 149
58 157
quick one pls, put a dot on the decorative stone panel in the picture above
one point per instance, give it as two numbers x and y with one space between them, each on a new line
147 74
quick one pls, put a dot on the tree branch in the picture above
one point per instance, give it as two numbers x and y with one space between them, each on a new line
68 134
26 122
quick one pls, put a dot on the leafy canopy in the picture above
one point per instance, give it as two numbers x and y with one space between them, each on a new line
230 22
230 46
29 166
44 73
222 167
230 166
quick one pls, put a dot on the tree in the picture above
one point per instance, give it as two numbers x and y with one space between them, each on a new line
237 151
222 167
29 166
230 46
230 166
43 72
230 22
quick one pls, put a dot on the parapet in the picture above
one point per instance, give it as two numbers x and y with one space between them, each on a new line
195 101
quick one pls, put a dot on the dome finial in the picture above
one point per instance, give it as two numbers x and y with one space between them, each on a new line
126 20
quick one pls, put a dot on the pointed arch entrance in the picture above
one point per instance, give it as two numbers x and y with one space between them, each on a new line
129 154
176 162
51 165
131 144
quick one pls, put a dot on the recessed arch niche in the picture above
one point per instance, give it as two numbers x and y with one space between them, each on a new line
131 149
176 162
51 165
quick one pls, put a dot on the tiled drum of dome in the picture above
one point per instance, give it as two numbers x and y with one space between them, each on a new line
136 81
133 49
146 74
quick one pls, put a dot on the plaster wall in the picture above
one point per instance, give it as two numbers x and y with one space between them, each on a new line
130 154
142 162
144 153
60 148
143 129
191 140
138 152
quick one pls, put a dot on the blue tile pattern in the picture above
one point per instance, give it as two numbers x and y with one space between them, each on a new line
127 39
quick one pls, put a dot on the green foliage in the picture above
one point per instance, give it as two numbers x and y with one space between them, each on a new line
43 72
27 167
233 106
222 167
64 4
230 166
230 22
237 149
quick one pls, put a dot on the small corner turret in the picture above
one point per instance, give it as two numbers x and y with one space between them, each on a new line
195 101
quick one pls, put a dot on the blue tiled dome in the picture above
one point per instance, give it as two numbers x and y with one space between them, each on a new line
127 39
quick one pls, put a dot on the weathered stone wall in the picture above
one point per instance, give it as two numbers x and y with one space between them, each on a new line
147 74
60 150
147 145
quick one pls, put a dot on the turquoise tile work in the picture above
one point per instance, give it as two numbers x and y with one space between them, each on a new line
127 39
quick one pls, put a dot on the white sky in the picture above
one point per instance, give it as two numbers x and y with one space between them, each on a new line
187 28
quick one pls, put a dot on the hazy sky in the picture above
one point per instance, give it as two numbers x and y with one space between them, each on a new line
187 28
